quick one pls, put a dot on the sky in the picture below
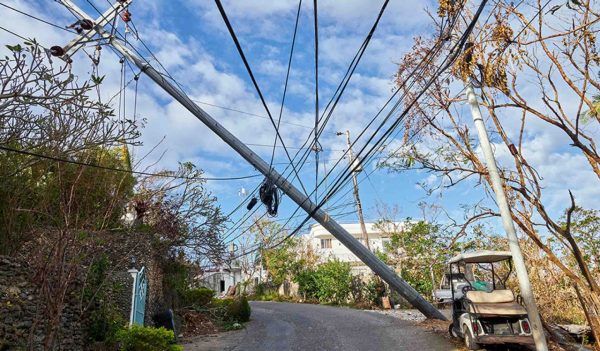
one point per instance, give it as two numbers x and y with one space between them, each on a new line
191 42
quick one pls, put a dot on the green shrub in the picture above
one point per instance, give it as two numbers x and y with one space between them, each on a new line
198 297
239 310
220 303
103 324
138 338
307 284
375 291
334 280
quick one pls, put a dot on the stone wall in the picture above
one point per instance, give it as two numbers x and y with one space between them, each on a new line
121 253
20 323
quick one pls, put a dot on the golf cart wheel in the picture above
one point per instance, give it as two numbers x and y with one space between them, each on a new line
470 340
451 331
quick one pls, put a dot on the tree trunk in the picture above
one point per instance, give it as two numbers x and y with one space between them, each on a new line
590 302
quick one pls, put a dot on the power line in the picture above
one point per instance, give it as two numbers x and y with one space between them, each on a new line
255 83
17 35
249 114
107 168
38 19
287 77
316 140
289 147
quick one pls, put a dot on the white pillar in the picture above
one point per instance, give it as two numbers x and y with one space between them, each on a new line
134 275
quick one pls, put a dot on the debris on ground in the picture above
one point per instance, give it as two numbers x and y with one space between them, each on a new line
196 323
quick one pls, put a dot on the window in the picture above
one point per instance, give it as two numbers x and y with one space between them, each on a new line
326 243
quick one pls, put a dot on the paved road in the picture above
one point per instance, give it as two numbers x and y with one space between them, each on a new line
287 326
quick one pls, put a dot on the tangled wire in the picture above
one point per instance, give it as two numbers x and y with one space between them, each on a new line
269 195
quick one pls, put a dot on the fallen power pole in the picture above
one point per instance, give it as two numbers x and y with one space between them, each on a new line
364 254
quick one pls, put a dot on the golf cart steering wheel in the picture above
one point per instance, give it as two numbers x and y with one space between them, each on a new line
466 288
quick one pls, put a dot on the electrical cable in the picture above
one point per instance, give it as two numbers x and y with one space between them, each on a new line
249 114
287 76
255 83
39 19
316 141
107 168
454 53
349 70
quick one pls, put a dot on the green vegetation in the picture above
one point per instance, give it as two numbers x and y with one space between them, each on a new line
239 310
138 338
330 282
198 297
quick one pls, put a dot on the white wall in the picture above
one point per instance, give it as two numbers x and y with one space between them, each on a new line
377 239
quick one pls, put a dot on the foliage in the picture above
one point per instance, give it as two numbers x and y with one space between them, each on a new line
281 262
46 111
104 319
308 284
104 323
198 297
375 290
329 282
547 85
182 211
585 226
176 279
239 310
418 250
289 256
138 338
231 310
270 296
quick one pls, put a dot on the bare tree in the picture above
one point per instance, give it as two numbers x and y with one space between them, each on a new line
182 212
533 66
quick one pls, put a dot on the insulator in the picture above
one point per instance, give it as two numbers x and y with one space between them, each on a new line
86 24
126 16
57 51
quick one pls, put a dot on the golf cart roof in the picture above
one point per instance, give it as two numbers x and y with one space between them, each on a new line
483 256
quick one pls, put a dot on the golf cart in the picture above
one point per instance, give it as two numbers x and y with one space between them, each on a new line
484 311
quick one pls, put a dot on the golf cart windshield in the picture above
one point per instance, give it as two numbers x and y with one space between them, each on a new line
485 270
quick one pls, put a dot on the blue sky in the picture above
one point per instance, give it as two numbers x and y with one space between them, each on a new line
190 39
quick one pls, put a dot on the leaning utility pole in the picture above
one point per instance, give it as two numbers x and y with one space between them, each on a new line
354 168
537 328
364 254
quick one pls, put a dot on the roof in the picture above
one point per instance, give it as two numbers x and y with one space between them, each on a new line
483 256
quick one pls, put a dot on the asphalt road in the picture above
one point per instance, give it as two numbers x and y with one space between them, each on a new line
287 326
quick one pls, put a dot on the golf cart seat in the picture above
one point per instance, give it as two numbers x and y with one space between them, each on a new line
496 302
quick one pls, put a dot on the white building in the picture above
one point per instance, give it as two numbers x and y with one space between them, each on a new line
221 279
328 247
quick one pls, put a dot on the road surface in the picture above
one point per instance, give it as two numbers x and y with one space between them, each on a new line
287 326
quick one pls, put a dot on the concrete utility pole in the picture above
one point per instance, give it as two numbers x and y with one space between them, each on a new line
507 222
364 254
355 169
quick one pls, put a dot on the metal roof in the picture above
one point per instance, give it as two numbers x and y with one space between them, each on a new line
483 256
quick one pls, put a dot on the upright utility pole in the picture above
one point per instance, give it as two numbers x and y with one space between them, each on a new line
354 169
507 222
364 254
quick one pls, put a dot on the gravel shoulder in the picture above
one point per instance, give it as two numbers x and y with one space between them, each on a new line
289 326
